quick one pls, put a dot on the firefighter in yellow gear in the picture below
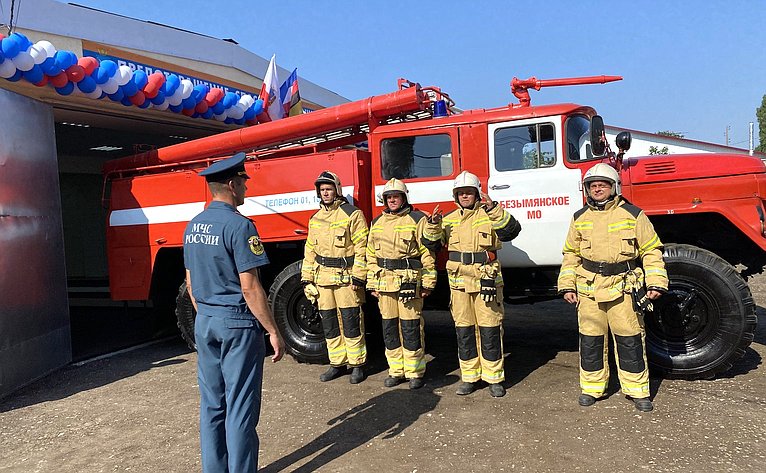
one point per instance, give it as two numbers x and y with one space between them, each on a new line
473 234
333 274
400 273
612 258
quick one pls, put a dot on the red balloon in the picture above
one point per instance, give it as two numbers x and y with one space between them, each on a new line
59 80
89 64
214 96
138 99
188 112
201 107
153 84
252 121
75 73
43 82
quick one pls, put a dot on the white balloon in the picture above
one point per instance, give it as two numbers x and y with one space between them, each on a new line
175 99
123 75
23 61
236 113
96 94
220 116
7 69
248 100
187 88
110 86
38 54
49 49
162 106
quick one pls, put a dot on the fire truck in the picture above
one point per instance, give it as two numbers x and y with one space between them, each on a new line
707 208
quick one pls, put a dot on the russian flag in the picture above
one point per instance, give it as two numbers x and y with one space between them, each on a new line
291 97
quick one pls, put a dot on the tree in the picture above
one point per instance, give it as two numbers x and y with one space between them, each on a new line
674 134
760 113
653 150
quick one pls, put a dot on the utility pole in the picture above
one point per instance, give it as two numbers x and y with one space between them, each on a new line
726 133
751 139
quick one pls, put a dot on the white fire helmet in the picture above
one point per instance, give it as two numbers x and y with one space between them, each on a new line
393 186
466 179
602 172
327 177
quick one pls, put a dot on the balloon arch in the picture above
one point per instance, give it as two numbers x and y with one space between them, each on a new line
42 65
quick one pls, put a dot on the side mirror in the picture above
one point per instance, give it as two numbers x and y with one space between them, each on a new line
623 141
597 136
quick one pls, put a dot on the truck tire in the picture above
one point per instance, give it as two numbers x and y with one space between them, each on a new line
185 316
705 321
298 321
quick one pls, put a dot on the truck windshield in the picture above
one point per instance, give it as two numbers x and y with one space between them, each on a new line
416 156
578 138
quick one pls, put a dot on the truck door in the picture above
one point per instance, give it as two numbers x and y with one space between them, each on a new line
527 176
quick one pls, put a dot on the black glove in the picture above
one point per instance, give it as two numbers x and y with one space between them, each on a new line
357 282
408 291
488 290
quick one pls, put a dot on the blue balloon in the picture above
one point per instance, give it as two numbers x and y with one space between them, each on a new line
239 121
218 108
62 59
230 99
159 98
229 121
2 55
145 104
109 66
249 114
49 67
258 107
22 41
199 92
208 114
72 58
66 90
103 94
189 102
34 75
175 108
171 84
140 79
87 85
10 47
117 96
126 101
16 77
130 88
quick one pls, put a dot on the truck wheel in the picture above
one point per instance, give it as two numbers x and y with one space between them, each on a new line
298 321
185 316
705 321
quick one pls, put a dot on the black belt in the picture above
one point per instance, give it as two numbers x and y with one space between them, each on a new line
609 269
401 263
335 262
480 257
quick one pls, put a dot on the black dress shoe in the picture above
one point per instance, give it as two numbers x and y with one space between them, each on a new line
357 375
332 373
643 404
416 383
586 400
392 381
496 390
465 389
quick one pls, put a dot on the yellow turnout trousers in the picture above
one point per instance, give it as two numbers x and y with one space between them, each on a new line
479 327
343 324
595 319
403 335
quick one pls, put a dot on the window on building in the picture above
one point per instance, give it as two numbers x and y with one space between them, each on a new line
416 156
525 147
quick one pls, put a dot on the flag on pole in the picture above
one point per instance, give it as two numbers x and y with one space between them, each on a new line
291 97
270 91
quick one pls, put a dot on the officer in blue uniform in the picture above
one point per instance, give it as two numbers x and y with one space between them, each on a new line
222 254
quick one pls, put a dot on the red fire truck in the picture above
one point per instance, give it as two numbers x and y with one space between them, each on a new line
707 208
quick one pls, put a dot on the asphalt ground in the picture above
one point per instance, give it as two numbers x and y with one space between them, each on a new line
137 411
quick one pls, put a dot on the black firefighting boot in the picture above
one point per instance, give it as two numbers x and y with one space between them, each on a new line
357 375
496 390
642 404
392 381
465 389
332 373
416 383
586 400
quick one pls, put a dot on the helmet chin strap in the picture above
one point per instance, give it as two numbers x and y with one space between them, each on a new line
602 204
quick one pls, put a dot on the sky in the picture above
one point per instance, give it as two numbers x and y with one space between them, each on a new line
694 67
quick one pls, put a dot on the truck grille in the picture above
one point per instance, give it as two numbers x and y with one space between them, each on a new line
661 167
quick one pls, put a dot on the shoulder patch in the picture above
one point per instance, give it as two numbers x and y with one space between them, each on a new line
417 215
579 213
255 245
348 208
632 209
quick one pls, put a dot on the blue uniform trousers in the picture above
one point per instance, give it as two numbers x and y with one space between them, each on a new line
230 354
